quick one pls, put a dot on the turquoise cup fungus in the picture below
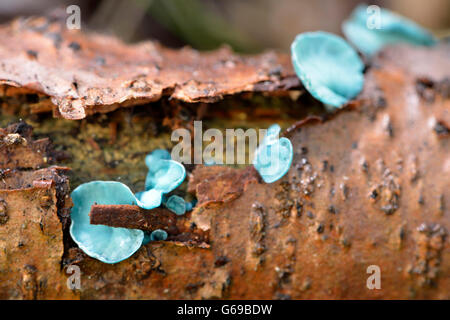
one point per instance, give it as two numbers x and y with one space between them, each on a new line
273 157
191 204
370 28
177 205
164 175
155 235
107 244
112 245
158 235
329 68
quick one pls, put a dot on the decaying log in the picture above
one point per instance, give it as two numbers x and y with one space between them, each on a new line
369 185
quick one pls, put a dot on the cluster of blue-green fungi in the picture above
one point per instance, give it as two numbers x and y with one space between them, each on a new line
111 245
331 69
274 155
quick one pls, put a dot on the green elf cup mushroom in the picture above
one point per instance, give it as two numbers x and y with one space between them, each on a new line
177 205
107 244
329 68
370 28
155 235
273 157
164 175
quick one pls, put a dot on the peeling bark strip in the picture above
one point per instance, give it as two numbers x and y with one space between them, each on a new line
129 74
217 184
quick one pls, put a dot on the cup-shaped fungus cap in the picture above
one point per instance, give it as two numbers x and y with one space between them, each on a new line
155 235
370 28
164 174
176 204
107 244
329 68
273 157
149 199
158 235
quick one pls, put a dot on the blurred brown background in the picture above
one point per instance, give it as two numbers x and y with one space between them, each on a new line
246 25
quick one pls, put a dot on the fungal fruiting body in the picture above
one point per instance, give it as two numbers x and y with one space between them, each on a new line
158 235
371 28
177 205
109 244
155 235
329 68
274 155
164 175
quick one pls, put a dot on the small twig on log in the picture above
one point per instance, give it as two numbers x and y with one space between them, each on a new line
133 217
179 228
